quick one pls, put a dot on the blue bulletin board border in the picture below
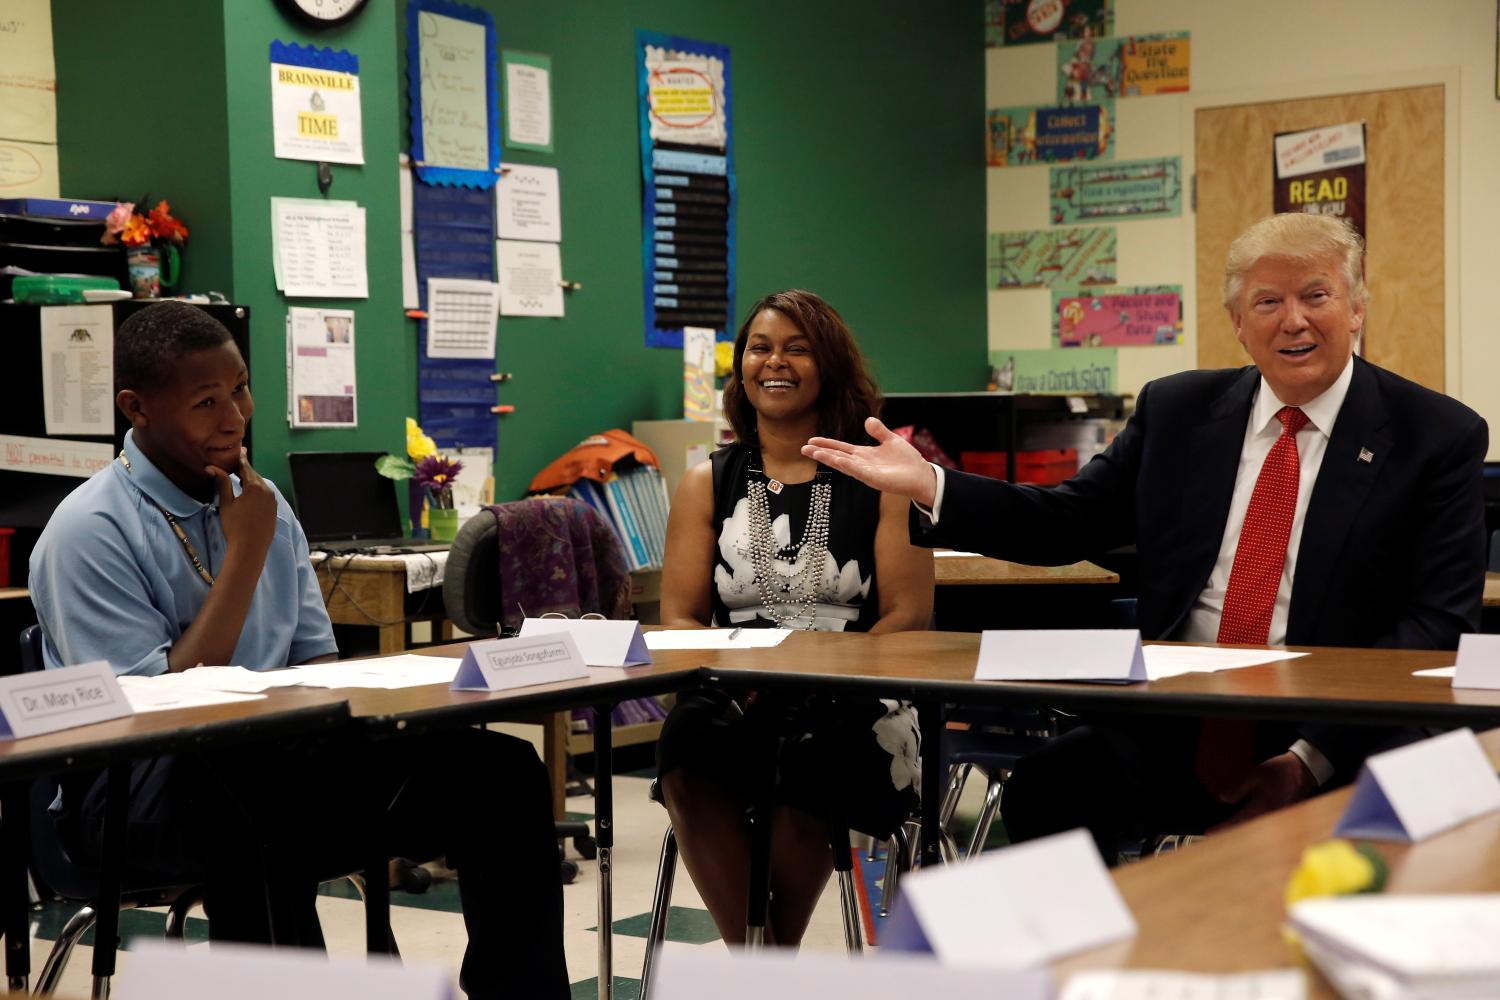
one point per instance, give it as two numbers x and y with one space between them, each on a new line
671 336
312 57
452 176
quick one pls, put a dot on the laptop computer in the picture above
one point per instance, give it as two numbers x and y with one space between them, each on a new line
344 504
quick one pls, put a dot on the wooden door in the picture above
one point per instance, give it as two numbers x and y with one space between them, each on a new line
1404 216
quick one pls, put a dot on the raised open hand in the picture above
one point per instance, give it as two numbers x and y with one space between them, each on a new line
891 465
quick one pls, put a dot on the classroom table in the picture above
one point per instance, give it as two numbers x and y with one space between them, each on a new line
370 590
1218 905
113 744
1492 590
966 598
973 570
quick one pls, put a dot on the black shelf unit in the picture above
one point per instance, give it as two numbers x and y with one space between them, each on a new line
991 421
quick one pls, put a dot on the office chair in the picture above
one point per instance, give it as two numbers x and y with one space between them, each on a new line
476 605
78 882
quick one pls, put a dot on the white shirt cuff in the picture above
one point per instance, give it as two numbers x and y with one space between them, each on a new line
937 496
1314 760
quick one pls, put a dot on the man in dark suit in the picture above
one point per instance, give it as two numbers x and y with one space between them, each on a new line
1309 499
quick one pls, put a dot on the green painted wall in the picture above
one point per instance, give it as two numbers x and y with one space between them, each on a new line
859 166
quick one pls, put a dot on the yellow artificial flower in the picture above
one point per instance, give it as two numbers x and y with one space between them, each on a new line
418 445
723 358
1335 868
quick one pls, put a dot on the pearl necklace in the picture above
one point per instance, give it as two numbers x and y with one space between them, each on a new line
811 552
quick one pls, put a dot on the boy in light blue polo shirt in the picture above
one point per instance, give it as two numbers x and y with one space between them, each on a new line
180 553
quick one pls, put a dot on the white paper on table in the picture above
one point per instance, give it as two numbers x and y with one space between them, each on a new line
28 75
411 297
528 204
1173 661
166 970
322 392
716 638
318 248
693 974
1436 672
238 680
530 278
950 554
315 114
146 695
1163 984
528 105
385 673
1396 798
1101 655
54 456
28 169
1021 906
1418 937
78 369
461 317
455 104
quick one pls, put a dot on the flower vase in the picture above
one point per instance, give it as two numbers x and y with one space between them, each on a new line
444 523
416 498
144 263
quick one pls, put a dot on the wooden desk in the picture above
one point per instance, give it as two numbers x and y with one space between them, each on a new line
982 571
1218 906
371 590
1492 590
14 593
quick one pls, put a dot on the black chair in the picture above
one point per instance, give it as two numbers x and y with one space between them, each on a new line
73 880
78 882
471 594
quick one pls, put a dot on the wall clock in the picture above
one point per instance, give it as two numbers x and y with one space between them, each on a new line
325 12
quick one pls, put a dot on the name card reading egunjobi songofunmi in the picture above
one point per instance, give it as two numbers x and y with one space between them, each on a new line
48 700
603 642
1107 655
501 664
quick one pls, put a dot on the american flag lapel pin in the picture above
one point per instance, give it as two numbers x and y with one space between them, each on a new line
1366 455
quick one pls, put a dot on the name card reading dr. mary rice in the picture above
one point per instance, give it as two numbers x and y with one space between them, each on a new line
44 702
501 664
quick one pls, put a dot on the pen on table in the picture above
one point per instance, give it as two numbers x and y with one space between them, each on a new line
735 634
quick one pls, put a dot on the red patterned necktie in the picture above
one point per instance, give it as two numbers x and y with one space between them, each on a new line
1226 746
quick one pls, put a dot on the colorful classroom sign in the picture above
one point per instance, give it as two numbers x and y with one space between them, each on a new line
1051 258
1091 69
1138 189
1072 371
1018 136
1123 317
1025 22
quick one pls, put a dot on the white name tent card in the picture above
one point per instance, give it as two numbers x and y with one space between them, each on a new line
687 974
602 642
1160 984
167 971
501 664
1015 908
1478 663
1109 655
48 700
1412 792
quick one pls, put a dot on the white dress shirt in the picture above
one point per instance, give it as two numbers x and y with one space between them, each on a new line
1261 432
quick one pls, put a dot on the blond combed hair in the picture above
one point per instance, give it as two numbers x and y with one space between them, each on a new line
1299 236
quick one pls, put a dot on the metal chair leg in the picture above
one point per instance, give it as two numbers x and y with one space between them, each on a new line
177 914
661 904
898 859
872 853
986 817
958 776
52 970
843 864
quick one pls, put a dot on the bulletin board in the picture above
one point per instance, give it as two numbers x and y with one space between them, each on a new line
1404 226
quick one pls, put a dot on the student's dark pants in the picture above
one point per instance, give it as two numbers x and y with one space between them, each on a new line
262 825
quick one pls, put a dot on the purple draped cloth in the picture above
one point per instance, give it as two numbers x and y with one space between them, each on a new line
559 554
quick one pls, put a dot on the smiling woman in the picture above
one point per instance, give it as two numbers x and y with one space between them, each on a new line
763 537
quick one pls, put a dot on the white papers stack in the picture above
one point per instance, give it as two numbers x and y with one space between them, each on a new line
158 694
716 638
1404 947
387 673
1173 661
1154 984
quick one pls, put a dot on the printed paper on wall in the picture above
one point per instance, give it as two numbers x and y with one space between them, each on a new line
1136 189
1019 136
1024 22
1118 317
1050 258
1093 69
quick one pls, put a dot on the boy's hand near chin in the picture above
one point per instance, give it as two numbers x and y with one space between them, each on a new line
249 520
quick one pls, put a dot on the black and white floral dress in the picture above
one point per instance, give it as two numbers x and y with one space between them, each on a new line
858 756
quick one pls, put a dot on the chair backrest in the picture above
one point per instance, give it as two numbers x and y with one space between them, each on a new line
472 590
1495 551
31 649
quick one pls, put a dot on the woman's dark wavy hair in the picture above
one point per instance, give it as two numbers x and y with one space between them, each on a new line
847 395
